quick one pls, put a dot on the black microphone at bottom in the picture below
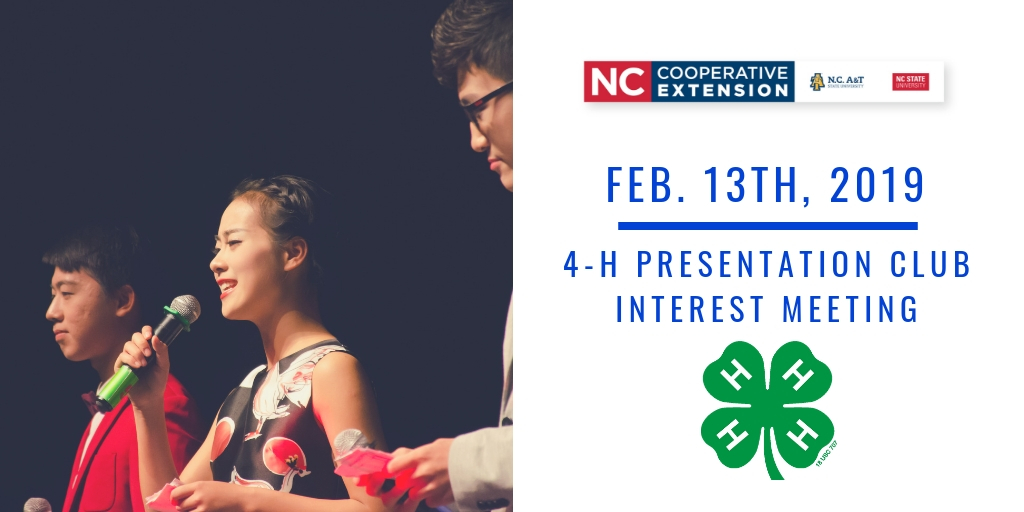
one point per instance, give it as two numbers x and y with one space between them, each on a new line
37 505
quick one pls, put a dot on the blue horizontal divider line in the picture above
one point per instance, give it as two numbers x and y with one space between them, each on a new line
767 226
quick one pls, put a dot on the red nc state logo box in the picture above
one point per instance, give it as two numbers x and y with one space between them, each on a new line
910 81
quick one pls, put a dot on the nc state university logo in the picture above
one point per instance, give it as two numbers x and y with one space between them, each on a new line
910 81
616 81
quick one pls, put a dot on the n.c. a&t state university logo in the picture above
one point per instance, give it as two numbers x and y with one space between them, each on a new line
797 377
816 82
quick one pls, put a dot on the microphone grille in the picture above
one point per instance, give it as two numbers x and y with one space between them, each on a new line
348 440
187 306
37 505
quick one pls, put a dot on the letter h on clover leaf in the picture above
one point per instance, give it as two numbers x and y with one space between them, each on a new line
797 377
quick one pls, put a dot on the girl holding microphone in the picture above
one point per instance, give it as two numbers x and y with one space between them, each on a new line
270 447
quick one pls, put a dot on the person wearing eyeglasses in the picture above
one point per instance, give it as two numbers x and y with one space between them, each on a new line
473 54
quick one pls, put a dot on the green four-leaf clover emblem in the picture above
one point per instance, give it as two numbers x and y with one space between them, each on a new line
796 378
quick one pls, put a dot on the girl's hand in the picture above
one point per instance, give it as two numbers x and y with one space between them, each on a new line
149 391
204 496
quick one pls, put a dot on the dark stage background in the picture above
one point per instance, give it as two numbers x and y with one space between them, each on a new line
154 115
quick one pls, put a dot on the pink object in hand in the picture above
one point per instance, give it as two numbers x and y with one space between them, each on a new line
161 501
362 461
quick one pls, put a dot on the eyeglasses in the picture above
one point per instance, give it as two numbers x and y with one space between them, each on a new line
474 109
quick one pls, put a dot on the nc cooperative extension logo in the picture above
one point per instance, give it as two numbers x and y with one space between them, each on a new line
688 81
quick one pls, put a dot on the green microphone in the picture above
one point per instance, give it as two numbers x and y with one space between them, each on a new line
182 313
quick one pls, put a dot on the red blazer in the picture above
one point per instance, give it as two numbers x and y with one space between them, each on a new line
108 478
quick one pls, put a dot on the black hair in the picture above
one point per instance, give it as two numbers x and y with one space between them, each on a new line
290 207
114 255
473 32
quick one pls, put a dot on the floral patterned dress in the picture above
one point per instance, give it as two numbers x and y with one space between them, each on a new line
267 435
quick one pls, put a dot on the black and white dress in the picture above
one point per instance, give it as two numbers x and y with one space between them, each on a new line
267 435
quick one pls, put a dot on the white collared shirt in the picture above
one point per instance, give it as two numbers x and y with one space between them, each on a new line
96 420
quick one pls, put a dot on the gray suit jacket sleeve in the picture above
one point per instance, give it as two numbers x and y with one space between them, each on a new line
480 468
480 463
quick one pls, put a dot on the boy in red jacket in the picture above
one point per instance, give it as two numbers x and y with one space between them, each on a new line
98 301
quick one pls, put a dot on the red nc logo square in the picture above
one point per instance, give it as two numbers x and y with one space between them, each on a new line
619 81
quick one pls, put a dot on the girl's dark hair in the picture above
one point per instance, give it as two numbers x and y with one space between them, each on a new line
475 32
290 207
